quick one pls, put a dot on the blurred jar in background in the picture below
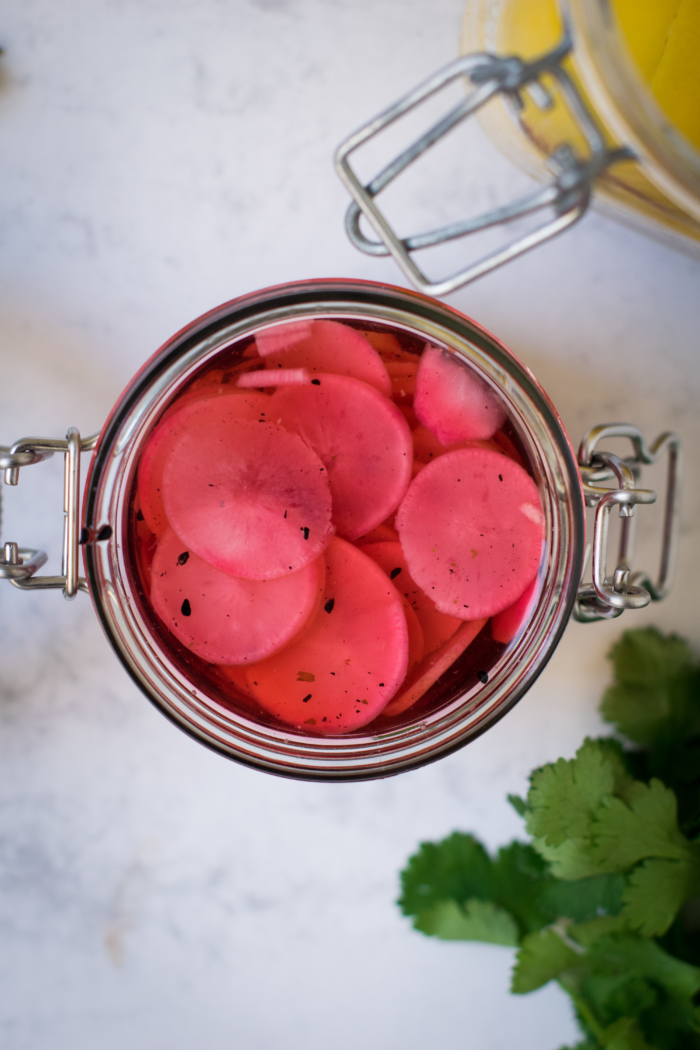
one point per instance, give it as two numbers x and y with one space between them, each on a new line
636 64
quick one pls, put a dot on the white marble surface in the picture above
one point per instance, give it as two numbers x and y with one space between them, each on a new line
159 158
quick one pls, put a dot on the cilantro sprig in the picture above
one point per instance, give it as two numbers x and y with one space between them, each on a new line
605 899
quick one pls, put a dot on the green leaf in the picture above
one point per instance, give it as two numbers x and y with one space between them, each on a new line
583 899
571 860
519 876
519 804
644 825
630 955
455 869
655 892
477 921
655 698
542 957
625 1034
564 796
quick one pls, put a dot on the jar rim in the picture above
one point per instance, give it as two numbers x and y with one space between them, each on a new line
377 753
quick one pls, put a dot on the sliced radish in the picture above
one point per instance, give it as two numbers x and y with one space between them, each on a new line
386 345
437 626
479 553
350 662
282 377
384 533
433 667
453 401
505 625
249 498
225 619
362 439
334 348
506 446
426 446
282 336
191 410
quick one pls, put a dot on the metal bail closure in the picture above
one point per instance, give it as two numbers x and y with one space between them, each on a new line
20 565
568 194
607 597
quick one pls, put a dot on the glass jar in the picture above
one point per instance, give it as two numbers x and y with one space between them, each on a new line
560 92
469 701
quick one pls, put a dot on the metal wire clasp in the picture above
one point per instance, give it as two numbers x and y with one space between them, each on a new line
607 597
20 565
568 194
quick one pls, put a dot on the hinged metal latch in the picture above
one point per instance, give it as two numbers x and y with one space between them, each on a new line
567 195
608 596
20 565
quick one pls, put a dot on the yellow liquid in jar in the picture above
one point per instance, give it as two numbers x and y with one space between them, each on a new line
662 37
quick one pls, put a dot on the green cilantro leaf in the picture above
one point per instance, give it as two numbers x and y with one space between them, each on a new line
655 698
655 892
644 825
456 869
583 899
477 921
564 796
625 1034
543 957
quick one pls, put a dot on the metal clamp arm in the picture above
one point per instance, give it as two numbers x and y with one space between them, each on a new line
20 566
609 596
567 195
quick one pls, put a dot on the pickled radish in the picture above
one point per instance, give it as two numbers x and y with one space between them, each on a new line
350 662
426 446
282 377
383 533
363 441
192 409
477 556
225 619
505 625
452 401
426 674
334 348
249 498
386 345
437 626
282 336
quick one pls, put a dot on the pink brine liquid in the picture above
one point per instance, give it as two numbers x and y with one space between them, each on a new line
334 527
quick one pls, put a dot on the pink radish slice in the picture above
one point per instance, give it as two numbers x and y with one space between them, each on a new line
453 401
334 348
192 409
383 533
225 619
249 498
282 336
433 667
437 626
471 527
350 662
363 441
282 377
505 625
386 344
426 446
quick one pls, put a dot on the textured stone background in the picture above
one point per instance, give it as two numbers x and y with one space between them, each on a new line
159 157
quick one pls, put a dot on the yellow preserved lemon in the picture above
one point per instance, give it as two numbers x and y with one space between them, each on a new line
663 40
663 37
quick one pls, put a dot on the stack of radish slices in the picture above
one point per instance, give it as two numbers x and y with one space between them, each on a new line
333 521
